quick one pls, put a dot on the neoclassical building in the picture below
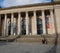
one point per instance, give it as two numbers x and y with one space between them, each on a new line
33 19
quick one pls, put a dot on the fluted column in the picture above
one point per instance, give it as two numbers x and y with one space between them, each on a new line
52 21
43 22
5 24
27 21
19 16
12 20
34 24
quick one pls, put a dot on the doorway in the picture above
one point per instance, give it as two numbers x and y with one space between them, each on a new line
23 26
39 26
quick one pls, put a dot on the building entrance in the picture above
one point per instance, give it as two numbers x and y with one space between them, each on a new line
9 28
23 26
39 26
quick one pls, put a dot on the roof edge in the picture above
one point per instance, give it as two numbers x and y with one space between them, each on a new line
31 5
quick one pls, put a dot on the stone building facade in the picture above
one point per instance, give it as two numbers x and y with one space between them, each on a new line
34 19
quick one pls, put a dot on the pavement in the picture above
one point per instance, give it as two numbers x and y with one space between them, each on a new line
16 47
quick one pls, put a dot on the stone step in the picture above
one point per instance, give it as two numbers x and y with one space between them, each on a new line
9 38
53 41
39 40
37 36
28 36
32 38
29 40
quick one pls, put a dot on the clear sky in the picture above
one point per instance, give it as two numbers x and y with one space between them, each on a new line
9 3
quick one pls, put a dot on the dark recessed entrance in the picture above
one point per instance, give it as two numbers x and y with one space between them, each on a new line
9 28
23 24
23 27
39 26
39 22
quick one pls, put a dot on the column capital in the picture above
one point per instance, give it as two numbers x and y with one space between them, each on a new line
51 9
26 11
26 14
51 13
5 15
19 12
34 11
12 13
42 10
12 16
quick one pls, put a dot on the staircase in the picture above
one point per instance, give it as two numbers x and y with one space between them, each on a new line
9 38
38 39
29 39
51 39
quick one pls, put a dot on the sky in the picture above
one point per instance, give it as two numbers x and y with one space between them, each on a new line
9 3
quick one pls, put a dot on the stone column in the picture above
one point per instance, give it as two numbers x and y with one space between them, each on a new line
19 16
27 21
34 24
52 22
0 24
5 24
12 20
43 22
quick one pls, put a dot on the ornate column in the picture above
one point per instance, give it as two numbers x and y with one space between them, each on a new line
52 21
43 22
12 20
27 21
5 24
19 16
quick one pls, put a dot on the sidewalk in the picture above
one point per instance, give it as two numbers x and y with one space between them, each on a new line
15 47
